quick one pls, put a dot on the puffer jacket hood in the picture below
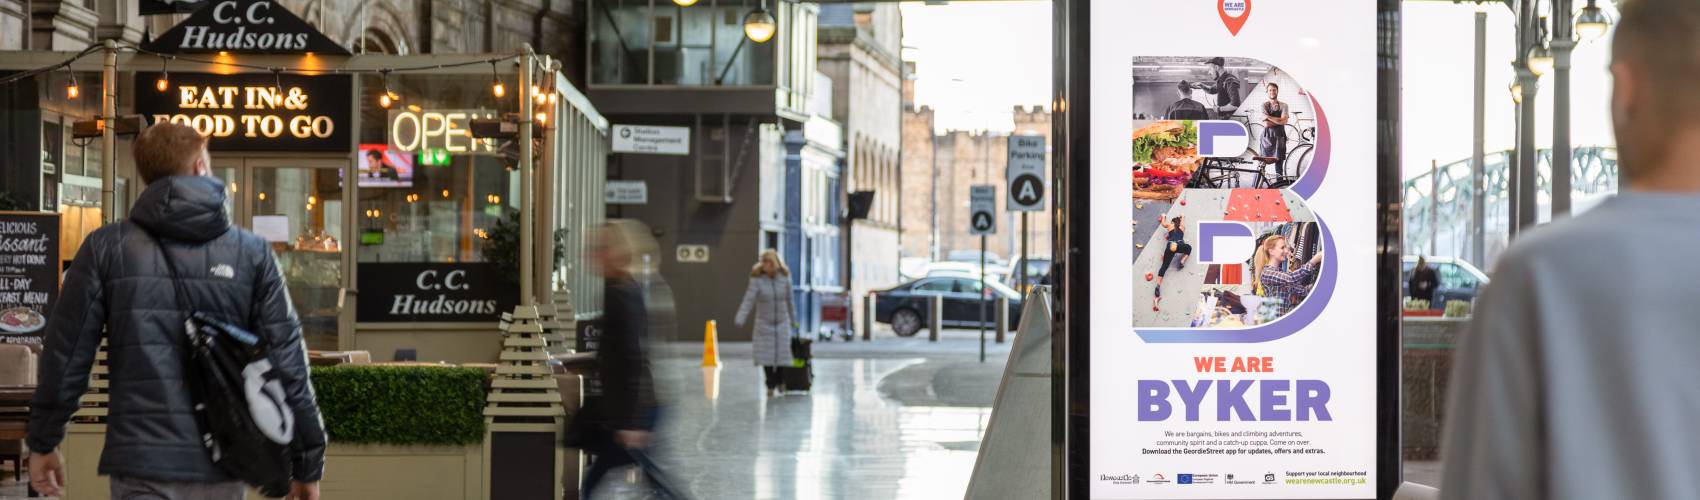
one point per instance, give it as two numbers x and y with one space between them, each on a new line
187 208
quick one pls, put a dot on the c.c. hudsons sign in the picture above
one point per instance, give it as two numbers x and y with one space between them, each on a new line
432 292
244 26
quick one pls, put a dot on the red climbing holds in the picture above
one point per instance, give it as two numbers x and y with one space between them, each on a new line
1149 277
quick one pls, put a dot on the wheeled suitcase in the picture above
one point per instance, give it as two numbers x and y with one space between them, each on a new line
800 375
797 378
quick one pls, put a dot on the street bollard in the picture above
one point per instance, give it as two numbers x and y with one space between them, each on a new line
935 318
868 305
1003 317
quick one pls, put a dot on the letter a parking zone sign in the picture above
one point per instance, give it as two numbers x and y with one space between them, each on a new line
982 209
1026 172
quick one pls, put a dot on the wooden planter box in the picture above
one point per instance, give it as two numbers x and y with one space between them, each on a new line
352 471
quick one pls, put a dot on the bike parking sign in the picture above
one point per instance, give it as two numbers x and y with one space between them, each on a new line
1026 172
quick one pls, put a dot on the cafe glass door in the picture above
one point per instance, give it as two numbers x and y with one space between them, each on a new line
297 206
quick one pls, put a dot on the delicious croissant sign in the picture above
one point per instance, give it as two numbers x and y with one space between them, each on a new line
244 27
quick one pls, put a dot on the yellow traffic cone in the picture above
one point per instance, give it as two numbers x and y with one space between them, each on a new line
710 346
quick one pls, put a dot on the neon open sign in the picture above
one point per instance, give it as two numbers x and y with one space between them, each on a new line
448 130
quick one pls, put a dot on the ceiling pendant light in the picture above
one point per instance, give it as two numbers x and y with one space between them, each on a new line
1540 60
1592 23
759 25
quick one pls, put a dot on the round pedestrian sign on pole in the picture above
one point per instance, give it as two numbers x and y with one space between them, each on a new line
982 210
1026 191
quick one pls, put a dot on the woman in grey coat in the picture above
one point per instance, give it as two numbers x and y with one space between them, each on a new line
769 296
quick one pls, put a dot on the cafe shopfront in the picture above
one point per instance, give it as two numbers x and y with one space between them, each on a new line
395 225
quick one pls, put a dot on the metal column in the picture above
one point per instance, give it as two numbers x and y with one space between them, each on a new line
1563 42
1478 196
108 141
1523 189
527 220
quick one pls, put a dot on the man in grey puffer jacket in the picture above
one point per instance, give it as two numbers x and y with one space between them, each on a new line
119 288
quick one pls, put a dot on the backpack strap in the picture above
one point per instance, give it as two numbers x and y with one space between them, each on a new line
180 296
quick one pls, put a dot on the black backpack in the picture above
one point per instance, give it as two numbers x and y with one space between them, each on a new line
246 421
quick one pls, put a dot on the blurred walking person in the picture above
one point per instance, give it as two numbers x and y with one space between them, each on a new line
769 298
1576 378
120 288
617 428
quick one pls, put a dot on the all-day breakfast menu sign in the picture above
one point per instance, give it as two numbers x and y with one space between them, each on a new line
1232 243
29 274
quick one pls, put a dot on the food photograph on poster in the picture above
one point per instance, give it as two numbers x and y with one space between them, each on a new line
1173 92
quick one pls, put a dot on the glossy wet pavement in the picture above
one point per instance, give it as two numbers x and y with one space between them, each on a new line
895 418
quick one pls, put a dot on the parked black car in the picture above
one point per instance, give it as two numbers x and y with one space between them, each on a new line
905 307
1458 280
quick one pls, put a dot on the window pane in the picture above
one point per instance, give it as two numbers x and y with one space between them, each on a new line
435 194
620 35
308 202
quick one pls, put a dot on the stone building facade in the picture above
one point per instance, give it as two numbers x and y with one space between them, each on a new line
858 49
938 170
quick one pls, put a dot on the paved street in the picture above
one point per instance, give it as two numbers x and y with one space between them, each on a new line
893 418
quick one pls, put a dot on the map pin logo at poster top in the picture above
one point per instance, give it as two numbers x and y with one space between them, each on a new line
1234 13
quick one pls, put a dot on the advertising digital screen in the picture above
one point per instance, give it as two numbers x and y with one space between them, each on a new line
1232 184
378 166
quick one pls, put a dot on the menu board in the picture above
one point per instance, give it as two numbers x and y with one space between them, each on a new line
29 274
1233 337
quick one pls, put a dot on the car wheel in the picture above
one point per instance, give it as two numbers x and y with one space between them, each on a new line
906 322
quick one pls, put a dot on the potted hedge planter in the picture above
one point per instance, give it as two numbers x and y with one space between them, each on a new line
396 432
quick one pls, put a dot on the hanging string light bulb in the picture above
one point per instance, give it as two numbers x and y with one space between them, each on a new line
72 92
496 87
164 81
389 97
